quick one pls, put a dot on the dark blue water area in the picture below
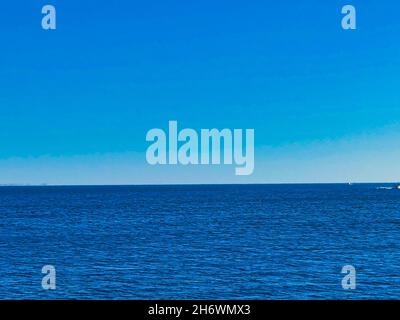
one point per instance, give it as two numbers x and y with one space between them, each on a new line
200 242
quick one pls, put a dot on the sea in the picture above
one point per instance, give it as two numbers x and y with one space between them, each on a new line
200 241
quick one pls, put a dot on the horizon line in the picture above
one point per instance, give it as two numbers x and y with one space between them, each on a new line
192 184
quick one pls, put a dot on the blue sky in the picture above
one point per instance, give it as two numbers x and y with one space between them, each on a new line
76 103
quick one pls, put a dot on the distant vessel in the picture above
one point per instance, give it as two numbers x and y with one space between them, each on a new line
396 187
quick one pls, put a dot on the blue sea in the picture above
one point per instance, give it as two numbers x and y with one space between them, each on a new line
200 242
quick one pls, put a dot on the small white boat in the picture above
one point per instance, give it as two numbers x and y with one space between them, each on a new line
396 187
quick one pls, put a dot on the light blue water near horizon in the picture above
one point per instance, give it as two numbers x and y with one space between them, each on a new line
200 241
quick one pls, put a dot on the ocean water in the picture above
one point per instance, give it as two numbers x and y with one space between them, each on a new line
200 242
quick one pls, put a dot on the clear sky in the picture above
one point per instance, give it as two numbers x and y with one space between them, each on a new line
76 103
